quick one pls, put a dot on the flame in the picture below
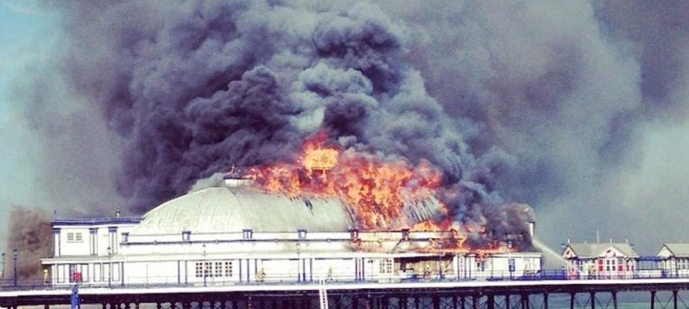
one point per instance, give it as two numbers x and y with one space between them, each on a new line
383 193
380 191
429 225
317 158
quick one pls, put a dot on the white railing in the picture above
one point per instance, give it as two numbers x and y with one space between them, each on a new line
293 279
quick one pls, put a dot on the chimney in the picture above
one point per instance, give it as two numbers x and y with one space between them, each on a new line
117 213
532 229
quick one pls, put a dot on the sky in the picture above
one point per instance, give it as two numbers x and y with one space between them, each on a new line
589 98
26 36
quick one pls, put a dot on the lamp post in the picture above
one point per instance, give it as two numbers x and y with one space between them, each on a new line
109 266
205 265
2 271
15 266
300 269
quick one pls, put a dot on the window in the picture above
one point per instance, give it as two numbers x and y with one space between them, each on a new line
247 233
75 237
460 263
84 273
98 269
186 236
213 269
218 269
208 269
228 269
115 271
354 234
60 273
73 273
386 266
301 233
199 270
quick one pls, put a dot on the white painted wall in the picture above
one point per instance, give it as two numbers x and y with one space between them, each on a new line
151 272
272 257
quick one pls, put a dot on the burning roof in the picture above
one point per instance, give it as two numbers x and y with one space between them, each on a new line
382 193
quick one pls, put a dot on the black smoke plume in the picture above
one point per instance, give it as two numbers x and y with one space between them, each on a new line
200 87
537 102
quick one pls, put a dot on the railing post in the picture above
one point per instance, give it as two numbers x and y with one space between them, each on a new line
15 266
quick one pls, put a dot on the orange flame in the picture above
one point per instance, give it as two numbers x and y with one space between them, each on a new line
379 190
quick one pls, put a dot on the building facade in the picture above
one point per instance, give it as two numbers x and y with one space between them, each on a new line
600 260
674 259
235 235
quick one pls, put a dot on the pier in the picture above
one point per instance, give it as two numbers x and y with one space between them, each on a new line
522 294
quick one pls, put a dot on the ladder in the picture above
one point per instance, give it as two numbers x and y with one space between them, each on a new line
322 293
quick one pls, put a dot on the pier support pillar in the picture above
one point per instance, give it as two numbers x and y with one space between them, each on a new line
572 297
653 299
593 300
674 299
525 301
490 301
545 300
614 300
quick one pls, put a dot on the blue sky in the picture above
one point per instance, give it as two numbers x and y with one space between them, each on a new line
26 37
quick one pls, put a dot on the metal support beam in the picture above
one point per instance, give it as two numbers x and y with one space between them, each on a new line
614 300
525 301
490 301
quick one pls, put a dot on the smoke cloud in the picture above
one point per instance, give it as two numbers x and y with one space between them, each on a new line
30 235
572 91
541 102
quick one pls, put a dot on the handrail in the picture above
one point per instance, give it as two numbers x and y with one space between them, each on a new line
543 275
98 220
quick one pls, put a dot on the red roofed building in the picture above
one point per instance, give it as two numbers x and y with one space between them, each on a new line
600 260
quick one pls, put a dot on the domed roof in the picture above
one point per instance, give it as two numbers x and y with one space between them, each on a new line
232 209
